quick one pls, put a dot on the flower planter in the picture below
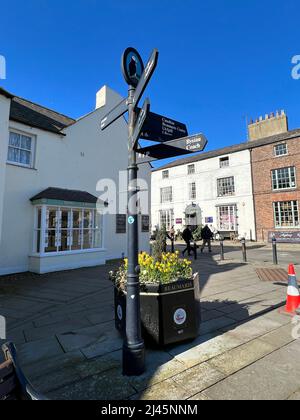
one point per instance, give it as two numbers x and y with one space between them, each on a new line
170 313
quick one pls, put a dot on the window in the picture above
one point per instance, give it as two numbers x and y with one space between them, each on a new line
226 186
227 218
166 218
121 221
281 149
67 229
20 149
286 214
191 169
165 174
166 195
224 162
192 191
283 178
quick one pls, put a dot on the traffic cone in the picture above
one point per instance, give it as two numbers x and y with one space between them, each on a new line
293 294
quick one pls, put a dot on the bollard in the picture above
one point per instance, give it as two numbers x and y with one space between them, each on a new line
274 247
244 249
222 248
195 247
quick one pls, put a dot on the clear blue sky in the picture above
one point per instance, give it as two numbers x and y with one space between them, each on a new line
220 61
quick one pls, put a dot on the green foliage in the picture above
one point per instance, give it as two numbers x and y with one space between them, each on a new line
197 233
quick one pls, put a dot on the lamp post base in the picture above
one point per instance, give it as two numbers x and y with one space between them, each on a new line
134 360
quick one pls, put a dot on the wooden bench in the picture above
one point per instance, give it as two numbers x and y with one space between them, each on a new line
13 383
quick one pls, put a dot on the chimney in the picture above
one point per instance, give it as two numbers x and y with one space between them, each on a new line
272 124
101 97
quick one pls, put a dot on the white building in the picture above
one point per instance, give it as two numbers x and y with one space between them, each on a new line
50 165
214 188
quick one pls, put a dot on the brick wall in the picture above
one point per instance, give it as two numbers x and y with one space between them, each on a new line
263 162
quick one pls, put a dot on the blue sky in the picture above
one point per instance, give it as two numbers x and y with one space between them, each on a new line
220 61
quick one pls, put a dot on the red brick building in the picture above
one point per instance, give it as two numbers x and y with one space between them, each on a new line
275 156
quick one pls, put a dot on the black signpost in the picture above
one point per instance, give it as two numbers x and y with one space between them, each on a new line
174 142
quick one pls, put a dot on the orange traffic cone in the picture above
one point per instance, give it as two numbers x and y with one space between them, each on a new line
293 294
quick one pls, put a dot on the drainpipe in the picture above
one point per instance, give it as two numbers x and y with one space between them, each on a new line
253 195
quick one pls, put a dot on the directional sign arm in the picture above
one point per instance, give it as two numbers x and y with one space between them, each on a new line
140 122
114 114
146 76
174 148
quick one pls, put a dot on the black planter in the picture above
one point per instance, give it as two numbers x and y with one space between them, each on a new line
170 313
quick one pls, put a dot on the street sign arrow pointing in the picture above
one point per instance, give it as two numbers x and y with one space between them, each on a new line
114 114
146 76
140 122
173 148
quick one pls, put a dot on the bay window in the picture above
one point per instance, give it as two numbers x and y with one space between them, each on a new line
61 230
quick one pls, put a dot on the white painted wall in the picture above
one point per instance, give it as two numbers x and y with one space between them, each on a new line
207 173
75 161
4 117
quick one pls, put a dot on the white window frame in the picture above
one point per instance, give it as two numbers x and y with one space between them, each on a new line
277 208
32 151
232 210
192 191
166 195
275 178
222 161
229 194
191 169
281 154
43 230
168 217
165 174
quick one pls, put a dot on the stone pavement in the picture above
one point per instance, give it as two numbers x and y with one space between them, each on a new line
62 324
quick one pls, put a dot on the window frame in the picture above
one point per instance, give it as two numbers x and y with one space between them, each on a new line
282 154
293 210
222 160
166 201
191 169
192 191
229 194
165 174
42 232
31 165
276 179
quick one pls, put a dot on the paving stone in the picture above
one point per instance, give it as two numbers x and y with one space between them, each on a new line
159 367
280 337
238 358
98 365
215 324
166 390
253 329
49 365
207 350
39 350
198 378
35 334
276 377
199 397
109 385
56 379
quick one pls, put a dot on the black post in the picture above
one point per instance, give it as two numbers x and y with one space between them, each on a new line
172 246
244 249
275 256
222 248
195 250
133 348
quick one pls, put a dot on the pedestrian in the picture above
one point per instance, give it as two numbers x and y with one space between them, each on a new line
206 235
172 238
214 231
187 236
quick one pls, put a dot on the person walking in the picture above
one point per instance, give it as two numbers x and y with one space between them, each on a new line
187 236
206 235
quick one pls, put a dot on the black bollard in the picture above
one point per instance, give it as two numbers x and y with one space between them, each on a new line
244 249
274 246
172 246
195 247
222 248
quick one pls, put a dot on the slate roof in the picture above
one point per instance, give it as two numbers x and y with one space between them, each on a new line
62 194
232 149
34 115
